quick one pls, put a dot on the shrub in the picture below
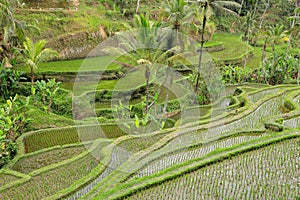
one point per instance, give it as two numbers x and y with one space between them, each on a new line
8 150
13 120
10 84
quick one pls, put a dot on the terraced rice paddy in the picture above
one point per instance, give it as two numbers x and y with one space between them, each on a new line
7 178
33 162
271 172
230 155
189 154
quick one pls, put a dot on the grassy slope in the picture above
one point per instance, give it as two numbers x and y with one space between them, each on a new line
42 120
89 64
234 47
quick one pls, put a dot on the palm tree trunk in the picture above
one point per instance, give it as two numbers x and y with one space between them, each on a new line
240 11
264 13
298 73
200 55
263 59
50 104
178 36
32 79
169 82
137 6
247 48
147 76
291 34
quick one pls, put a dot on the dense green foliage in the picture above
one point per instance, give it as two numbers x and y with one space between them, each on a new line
182 96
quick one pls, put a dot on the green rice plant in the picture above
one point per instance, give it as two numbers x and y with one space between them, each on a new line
52 137
90 64
119 155
254 97
149 155
191 153
47 138
32 162
7 178
136 185
270 105
49 180
90 86
293 122
250 121
263 173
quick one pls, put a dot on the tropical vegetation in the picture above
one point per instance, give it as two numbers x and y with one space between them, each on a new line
173 99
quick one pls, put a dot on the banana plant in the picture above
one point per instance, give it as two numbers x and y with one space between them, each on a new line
47 91
13 117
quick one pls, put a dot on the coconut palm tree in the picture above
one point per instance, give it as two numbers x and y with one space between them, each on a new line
34 54
12 31
276 33
207 7
179 14
139 47
294 27
149 47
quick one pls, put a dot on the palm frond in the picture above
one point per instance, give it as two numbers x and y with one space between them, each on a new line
223 9
230 4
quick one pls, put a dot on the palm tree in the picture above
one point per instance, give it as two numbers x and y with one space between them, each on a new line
276 34
138 47
271 35
207 7
265 35
147 46
294 27
267 6
12 31
34 54
179 13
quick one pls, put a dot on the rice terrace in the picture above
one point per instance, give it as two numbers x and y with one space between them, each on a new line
154 100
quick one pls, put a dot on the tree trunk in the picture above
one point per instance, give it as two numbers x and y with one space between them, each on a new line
178 36
147 76
32 79
137 6
247 49
50 104
264 13
200 55
44 98
10 135
169 81
233 23
298 73
263 59
290 36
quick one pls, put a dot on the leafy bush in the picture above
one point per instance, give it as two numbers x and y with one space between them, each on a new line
235 74
279 68
8 150
10 84
53 98
62 103
13 120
